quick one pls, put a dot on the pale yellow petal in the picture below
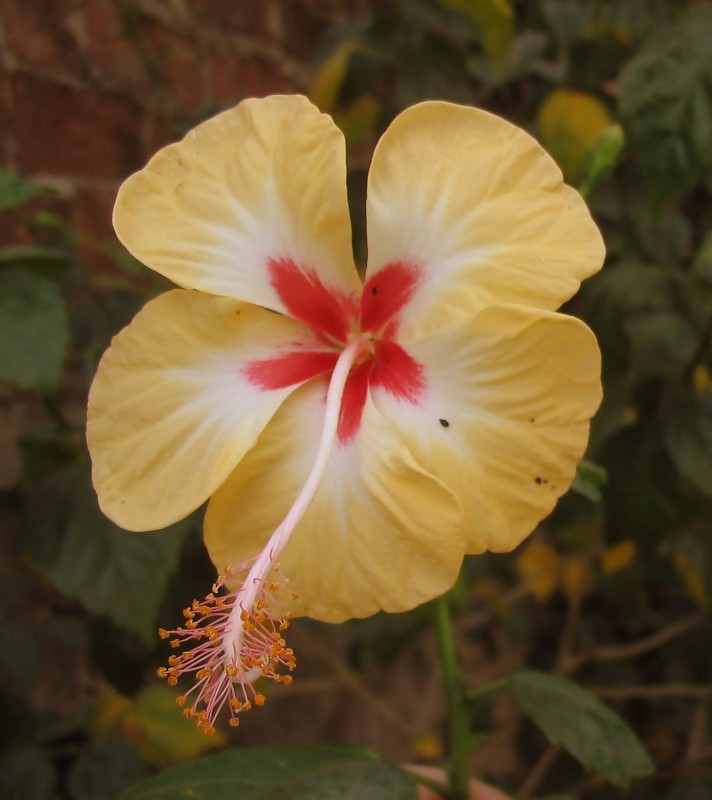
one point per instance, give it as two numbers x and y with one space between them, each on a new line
264 181
506 415
478 210
171 411
380 534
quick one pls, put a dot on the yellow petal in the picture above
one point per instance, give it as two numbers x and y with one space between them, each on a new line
262 182
506 415
380 534
171 412
478 209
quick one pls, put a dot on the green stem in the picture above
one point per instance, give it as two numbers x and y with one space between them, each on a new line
458 772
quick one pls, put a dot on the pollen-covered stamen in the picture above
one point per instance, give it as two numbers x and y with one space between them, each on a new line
220 681
236 638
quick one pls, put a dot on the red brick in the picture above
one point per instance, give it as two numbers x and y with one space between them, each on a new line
232 16
233 78
303 29
114 52
62 131
179 67
5 116
91 219
40 34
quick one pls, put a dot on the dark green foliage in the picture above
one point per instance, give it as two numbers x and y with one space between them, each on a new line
582 724
666 104
33 330
280 773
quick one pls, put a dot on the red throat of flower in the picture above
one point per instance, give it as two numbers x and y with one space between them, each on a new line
232 639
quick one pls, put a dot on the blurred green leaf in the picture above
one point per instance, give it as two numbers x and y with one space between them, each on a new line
19 658
567 19
666 103
16 190
113 572
691 789
494 19
33 330
105 768
281 773
602 158
27 773
327 81
162 733
44 261
570 124
662 343
589 480
579 722
688 440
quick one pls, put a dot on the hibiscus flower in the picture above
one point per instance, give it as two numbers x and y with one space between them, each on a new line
357 443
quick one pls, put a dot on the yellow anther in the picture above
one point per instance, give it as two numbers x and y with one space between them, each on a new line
163 633
260 699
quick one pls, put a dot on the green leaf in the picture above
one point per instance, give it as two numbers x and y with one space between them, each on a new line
27 773
582 725
46 262
688 440
105 768
281 773
567 19
666 103
589 480
113 572
164 735
602 158
494 19
570 124
16 190
33 330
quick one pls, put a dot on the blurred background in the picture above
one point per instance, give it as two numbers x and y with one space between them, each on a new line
612 591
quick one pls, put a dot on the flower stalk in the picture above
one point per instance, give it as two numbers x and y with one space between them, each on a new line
459 737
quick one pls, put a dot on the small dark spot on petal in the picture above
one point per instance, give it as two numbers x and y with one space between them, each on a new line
532 419
374 290
444 423
538 480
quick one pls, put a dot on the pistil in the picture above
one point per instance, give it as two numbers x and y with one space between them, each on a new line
238 635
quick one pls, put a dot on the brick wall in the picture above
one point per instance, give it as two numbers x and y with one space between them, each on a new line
90 88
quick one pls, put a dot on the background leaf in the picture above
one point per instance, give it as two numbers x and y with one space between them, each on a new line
494 19
281 773
113 572
104 769
666 103
16 190
163 735
688 439
581 724
33 330
570 124
27 773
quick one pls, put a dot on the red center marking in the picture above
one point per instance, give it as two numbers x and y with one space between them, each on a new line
289 368
353 401
330 313
390 368
385 294
306 298
396 371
